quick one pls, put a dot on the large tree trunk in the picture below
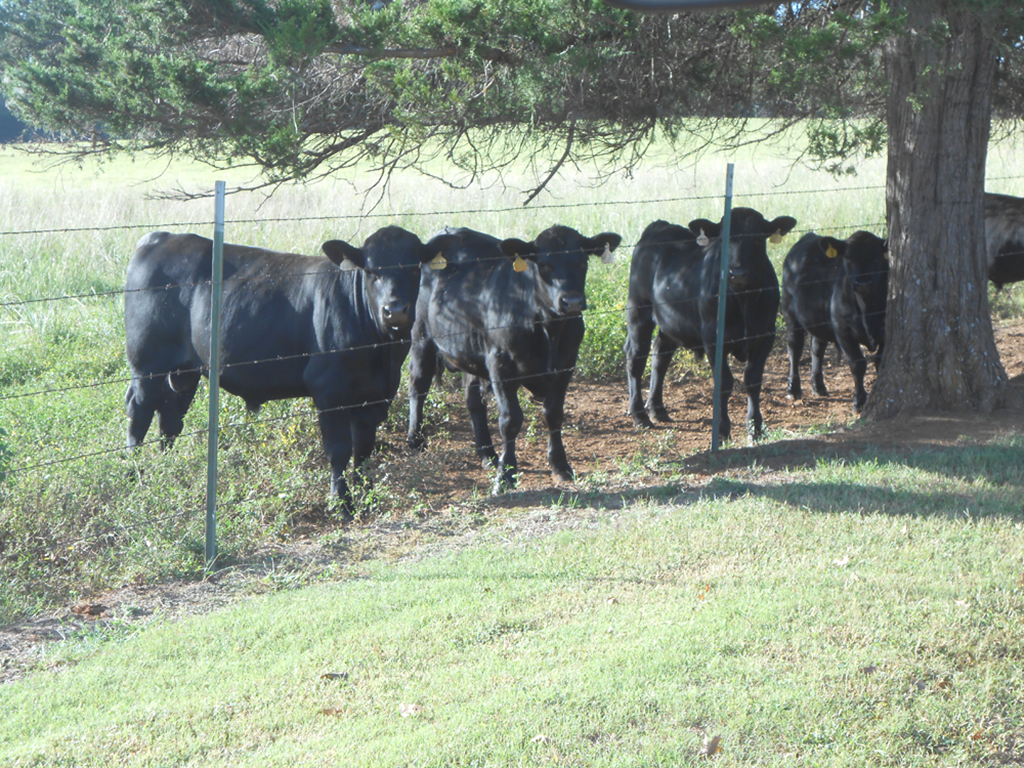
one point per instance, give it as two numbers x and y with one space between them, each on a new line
940 351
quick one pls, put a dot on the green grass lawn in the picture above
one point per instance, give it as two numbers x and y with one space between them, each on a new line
856 612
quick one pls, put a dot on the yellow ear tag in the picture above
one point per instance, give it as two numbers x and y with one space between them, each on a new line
438 262
776 238
702 239
519 265
831 252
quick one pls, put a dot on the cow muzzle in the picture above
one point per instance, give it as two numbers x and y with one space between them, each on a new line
572 304
739 279
396 316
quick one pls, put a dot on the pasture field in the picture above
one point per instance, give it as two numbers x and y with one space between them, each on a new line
832 600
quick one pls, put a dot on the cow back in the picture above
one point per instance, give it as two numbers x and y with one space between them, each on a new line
808 278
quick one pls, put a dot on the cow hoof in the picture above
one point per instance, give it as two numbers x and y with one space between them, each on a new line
563 475
822 391
660 414
793 394
642 421
489 459
417 443
503 483
341 511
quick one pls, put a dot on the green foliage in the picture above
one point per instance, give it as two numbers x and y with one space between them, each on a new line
835 144
299 33
601 354
306 87
5 457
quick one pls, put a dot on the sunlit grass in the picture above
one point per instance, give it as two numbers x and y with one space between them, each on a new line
810 629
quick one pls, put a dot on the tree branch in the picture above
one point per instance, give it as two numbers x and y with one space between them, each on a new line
347 49
558 165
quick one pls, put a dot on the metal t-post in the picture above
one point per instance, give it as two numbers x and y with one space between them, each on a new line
723 287
216 285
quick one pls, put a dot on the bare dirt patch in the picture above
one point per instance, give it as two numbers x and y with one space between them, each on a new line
448 491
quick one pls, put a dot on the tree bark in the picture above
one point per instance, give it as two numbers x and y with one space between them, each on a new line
940 350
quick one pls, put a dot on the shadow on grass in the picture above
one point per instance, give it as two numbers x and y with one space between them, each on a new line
912 480
972 480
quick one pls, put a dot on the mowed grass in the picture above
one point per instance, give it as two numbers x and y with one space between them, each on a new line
78 515
854 612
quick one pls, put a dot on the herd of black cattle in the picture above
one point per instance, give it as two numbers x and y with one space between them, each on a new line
506 313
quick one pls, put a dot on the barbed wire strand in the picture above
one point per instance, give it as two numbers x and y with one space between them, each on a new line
378 402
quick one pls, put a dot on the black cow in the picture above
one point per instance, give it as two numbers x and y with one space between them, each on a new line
836 291
335 329
674 283
1004 238
508 313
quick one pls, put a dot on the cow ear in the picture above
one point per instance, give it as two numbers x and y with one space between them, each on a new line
781 226
432 252
514 247
708 228
346 256
832 247
602 245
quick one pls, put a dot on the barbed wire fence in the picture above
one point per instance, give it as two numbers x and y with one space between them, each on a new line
15 463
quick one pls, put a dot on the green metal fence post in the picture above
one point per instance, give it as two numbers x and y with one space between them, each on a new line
723 286
216 280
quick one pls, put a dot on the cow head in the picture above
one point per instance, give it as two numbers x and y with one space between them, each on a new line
748 233
389 263
865 258
559 257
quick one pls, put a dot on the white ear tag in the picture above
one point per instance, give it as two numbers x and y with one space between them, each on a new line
702 240
607 257
438 262
776 238
519 265
347 266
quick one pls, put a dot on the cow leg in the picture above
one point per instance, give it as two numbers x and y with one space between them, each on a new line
510 422
640 326
336 433
422 367
478 418
818 349
554 415
179 389
753 378
140 403
364 424
795 337
664 348
858 367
